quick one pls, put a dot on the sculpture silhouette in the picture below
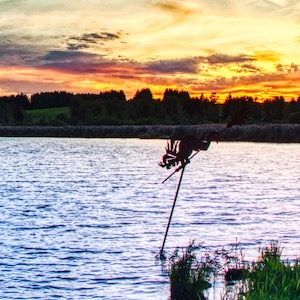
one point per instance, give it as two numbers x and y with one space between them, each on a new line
179 152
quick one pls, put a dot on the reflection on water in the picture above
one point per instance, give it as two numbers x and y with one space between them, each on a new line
84 218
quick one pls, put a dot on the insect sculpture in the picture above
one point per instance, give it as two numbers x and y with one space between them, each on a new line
180 152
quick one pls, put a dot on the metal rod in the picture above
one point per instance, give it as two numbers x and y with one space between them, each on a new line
172 210
177 170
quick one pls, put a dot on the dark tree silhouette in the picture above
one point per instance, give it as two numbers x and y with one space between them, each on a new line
239 117
175 108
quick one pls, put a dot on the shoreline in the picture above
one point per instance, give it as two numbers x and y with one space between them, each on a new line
275 133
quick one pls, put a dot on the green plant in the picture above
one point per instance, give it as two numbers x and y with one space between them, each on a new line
49 116
271 278
268 278
188 276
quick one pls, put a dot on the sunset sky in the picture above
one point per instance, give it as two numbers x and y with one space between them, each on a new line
224 46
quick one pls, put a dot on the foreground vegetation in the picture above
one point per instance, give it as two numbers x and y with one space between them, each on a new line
268 278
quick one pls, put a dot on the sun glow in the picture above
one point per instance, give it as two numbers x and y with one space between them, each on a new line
198 46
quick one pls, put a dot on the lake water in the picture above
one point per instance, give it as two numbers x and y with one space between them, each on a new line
85 218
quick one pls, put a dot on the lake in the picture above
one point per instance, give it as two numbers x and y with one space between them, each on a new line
85 218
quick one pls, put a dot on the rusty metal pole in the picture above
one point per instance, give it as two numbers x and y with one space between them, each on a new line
162 256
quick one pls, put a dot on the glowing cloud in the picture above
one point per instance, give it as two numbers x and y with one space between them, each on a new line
240 47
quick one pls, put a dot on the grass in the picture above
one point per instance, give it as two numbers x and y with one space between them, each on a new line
268 278
189 277
272 278
48 115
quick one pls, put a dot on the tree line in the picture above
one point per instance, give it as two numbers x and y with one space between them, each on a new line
176 107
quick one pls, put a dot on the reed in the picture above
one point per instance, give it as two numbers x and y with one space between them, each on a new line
188 276
191 274
273 278
281 133
267 278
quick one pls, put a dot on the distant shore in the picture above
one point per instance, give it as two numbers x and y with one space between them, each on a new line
276 133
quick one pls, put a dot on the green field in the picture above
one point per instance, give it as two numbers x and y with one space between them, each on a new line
47 114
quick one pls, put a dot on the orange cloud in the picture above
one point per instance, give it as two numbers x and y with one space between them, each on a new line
178 10
77 71
267 55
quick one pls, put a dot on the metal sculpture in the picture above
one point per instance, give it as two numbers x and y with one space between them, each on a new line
180 152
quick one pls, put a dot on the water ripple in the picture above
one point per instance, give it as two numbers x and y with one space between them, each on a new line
84 218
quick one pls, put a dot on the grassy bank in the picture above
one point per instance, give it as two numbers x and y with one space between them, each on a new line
281 133
47 115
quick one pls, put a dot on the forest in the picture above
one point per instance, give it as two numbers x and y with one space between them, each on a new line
112 108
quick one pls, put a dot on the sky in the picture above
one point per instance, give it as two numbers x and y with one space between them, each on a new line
201 46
